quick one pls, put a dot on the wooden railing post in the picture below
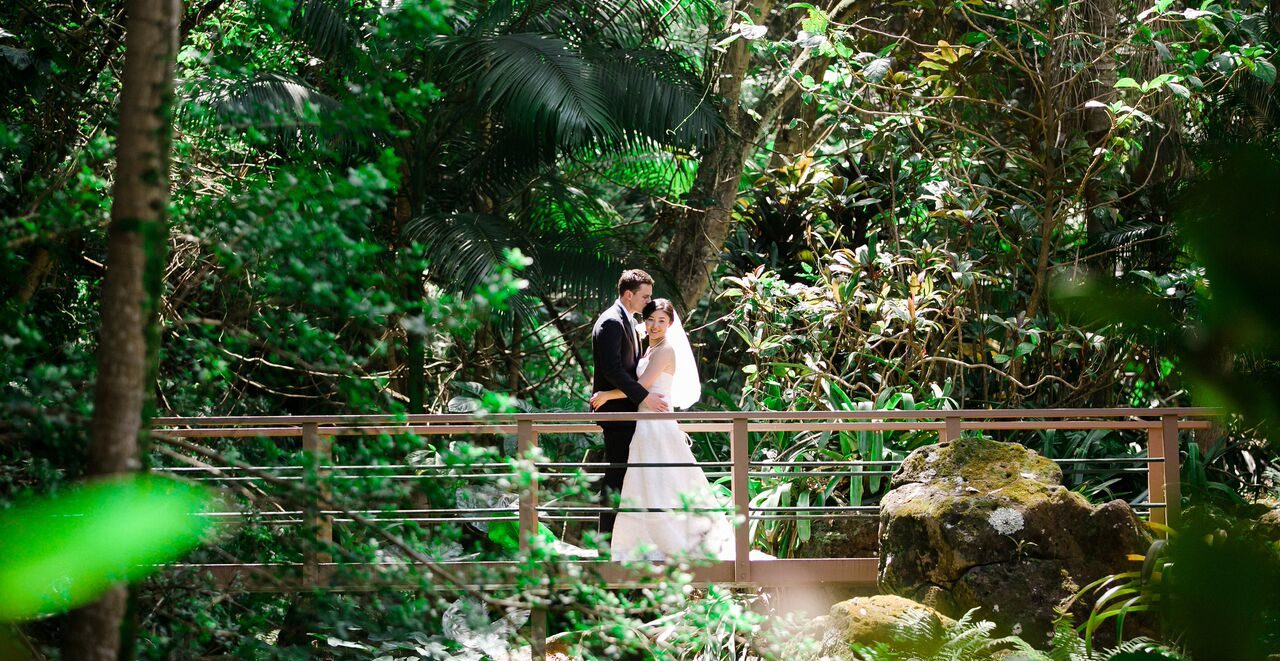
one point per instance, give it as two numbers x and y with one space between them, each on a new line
952 431
318 453
740 455
526 443
1156 474
1172 470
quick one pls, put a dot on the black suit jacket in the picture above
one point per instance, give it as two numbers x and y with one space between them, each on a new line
615 350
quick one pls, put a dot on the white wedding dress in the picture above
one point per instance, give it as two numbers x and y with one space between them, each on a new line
682 529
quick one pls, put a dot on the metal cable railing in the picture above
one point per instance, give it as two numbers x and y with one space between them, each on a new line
1073 466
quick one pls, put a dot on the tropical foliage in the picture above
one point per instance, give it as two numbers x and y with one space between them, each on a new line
419 206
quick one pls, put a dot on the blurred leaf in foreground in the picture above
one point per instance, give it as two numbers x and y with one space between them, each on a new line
1225 327
58 553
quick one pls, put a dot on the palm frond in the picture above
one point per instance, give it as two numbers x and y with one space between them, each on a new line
1128 233
1257 27
619 23
508 163
630 23
479 18
576 248
464 248
323 26
540 88
656 94
287 110
648 168
579 252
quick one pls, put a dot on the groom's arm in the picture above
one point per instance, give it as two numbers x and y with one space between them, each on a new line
609 361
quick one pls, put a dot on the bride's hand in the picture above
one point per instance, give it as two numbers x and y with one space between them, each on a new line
597 399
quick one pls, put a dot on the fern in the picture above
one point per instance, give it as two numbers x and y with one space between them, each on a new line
918 636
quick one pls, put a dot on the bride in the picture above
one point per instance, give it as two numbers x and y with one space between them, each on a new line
667 511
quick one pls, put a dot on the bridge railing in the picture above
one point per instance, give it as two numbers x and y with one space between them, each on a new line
1162 428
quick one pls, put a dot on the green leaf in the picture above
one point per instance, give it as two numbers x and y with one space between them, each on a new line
840 401
875 71
1124 83
846 443
816 23
1264 71
804 525
874 453
62 552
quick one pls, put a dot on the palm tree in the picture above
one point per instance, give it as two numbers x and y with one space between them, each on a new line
538 97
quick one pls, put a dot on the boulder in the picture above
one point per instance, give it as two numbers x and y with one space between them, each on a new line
980 524
862 620
1269 524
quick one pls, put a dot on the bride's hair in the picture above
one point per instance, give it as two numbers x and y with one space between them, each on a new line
659 305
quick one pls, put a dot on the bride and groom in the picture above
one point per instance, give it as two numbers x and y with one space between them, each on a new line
666 511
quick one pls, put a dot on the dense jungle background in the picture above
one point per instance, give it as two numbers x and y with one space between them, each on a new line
414 206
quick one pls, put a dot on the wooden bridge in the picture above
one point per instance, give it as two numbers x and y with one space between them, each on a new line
185 450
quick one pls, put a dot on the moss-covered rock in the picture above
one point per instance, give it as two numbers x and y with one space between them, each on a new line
981 524
1269 524
866 621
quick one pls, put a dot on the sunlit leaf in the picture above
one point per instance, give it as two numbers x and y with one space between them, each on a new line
61 552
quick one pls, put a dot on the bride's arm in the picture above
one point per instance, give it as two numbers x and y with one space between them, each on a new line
660 360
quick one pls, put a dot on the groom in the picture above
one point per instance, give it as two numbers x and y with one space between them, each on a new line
615 350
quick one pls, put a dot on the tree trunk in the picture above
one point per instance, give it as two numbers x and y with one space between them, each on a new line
129 342
1099 19
695 246
700 234
41 264
414 381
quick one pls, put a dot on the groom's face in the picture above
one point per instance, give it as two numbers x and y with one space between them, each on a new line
635 301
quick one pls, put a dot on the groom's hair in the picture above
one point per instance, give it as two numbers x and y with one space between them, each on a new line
632 279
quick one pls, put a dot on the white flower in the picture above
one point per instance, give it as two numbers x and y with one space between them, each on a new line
1006 520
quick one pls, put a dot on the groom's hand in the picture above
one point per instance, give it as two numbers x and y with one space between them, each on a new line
656 403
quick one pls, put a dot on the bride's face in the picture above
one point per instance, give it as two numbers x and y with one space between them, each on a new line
657 325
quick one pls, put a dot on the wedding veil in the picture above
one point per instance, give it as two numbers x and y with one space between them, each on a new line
686 389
